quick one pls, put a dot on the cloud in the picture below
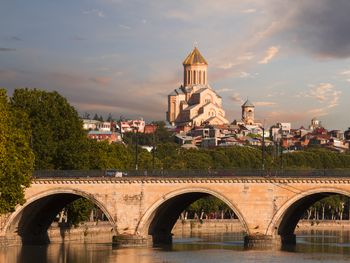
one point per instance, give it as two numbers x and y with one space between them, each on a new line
228 65
320 27
326 93
248 11
244 74
271 52
246 56
102 81
7 49
236 97
124 27
15 38
223 90
265 103
97 12
346 74
148 98
317 112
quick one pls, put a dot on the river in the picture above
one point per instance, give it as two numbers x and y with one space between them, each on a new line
312 246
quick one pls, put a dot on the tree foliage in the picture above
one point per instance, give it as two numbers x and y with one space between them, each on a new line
57 137
16 157
79 211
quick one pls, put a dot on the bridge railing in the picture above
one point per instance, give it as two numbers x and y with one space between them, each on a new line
111 173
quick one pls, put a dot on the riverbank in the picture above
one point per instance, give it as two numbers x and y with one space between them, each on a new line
234 225
103 231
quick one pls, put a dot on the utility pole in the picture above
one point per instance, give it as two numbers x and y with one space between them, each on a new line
263 150
281 156
153 151
136 148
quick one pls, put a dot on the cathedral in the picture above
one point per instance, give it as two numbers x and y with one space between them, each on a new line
195 103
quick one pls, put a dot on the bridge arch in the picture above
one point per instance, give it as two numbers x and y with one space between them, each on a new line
162 215
288 215
32 220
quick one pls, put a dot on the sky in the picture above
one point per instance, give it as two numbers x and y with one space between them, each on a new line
290 58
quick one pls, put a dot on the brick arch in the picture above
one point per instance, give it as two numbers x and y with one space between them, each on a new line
298 204
189 194
54 196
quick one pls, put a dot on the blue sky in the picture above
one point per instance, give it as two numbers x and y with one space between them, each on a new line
290 58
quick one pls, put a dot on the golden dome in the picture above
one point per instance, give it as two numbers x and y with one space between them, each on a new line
195 58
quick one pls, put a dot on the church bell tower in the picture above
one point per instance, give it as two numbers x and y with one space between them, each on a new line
195 69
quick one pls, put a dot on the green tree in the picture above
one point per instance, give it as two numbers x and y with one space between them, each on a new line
79 211
108 156
16 157
58 139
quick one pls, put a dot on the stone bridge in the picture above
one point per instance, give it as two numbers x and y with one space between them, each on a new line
145 209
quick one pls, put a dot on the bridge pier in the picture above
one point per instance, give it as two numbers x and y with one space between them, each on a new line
260 241
163 238
288 239
128 240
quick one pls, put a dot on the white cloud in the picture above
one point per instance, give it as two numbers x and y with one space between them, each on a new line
124 27
271 52
248 11
244 74
236 97
246 56
97 12
228 65
346 74
265 103
326 93
223 90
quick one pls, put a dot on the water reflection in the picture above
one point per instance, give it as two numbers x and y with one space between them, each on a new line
312 246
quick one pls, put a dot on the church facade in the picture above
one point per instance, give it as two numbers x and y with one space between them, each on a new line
195 103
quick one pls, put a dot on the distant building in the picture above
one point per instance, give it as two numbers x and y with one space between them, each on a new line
280 130
347 134
248 116
90 124
104 126
132 126
150 128
248 113
195 102
315 123
104 136
338 134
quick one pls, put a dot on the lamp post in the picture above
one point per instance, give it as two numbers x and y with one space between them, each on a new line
263 150
136 148
153 152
